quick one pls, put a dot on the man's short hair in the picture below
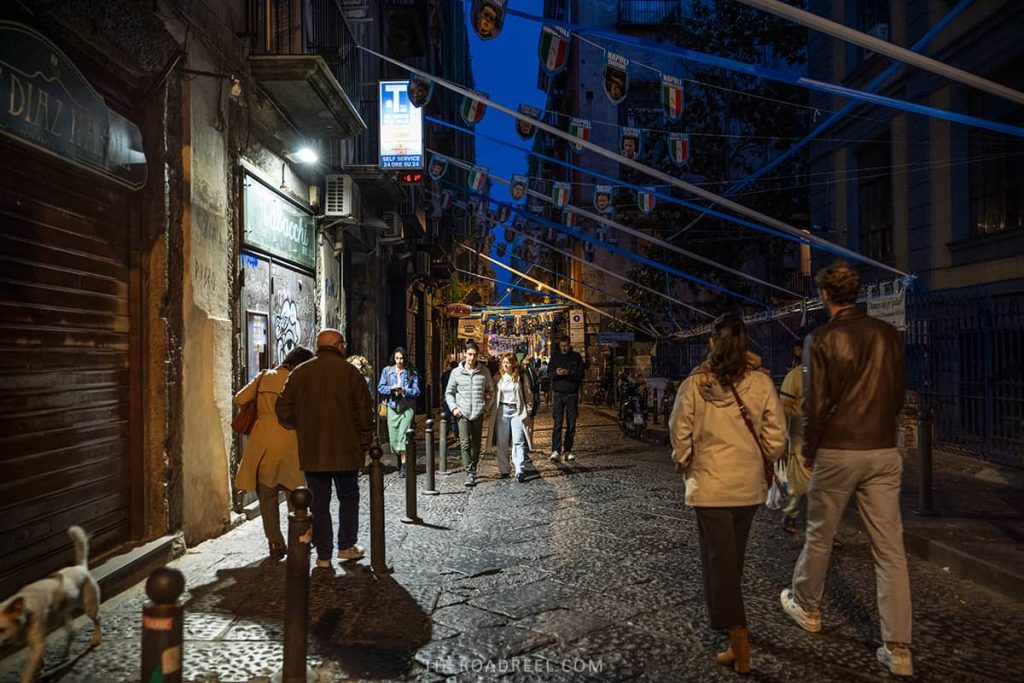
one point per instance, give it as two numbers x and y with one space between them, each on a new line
564 338
840 282
471 346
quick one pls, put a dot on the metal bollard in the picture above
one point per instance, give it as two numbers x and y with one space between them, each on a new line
442 449
429 490
410 478
378 563
163 619
924 455
296 591
654 404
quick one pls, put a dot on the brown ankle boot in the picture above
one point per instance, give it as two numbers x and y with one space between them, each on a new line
726 656
740 649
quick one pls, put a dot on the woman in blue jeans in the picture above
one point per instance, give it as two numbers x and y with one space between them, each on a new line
399 385
510 420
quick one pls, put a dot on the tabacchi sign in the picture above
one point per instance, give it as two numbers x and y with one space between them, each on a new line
401 128
46 103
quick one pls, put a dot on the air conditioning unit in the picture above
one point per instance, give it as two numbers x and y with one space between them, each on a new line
342 198
393 230
423 263
880 31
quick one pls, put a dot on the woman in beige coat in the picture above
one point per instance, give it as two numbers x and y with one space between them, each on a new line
270 462
724 467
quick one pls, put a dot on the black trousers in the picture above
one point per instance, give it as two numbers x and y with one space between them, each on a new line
567 405
723 544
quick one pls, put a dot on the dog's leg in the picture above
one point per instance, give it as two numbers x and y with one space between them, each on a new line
91 605
37 646
68 634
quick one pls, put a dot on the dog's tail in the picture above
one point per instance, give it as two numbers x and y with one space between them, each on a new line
81 542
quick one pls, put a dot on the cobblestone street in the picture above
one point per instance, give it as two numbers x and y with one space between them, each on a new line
589 571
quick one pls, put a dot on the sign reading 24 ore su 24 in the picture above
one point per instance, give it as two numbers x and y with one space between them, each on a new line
401 128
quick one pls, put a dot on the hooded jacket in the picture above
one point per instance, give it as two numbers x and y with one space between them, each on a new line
711 444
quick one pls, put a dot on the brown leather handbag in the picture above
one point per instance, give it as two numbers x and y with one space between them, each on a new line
245 420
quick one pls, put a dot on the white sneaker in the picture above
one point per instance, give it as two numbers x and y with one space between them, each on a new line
898 660
554 456
569 457
809 621
353 553
324 564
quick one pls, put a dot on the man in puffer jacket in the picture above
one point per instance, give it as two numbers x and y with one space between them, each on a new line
468 396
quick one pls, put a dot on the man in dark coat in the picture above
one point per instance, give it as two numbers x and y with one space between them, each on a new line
566 373
326 402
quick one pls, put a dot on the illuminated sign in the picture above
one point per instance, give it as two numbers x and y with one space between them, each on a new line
401 128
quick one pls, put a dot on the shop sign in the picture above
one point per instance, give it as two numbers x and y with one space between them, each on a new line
274 224
457 310
401 127
46 103
613 338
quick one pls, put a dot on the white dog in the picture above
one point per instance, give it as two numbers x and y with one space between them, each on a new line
26 616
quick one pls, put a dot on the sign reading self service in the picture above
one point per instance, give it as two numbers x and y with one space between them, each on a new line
401 127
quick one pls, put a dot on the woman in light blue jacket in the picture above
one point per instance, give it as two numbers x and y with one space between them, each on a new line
399 385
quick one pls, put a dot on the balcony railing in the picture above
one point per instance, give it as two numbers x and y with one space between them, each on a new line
649 12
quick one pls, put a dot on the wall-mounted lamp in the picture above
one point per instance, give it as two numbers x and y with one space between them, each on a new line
236 84
306 155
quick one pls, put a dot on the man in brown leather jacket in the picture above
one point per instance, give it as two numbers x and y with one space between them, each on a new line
854 387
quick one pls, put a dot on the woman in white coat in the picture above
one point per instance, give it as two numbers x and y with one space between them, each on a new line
270 462
510 419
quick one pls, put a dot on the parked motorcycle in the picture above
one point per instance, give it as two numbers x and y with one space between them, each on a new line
633 417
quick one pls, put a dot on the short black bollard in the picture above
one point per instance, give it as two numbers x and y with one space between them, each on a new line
924 457
654 404
410 478
377 561
296 591
162 625
442 449
429 433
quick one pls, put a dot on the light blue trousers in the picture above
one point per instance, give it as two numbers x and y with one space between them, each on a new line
510 430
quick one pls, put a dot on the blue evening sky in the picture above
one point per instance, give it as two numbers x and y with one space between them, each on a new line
506 69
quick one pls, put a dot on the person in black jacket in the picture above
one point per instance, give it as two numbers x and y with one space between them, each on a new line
566 373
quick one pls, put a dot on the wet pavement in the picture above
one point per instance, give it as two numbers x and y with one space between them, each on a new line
587 571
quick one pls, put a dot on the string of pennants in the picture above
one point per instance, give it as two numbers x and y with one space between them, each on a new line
488 18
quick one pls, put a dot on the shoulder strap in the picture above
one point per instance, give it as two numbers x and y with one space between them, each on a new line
746 420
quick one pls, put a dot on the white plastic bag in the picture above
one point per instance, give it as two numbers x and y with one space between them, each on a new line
778 492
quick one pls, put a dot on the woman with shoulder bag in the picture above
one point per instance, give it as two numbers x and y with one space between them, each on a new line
727 428
510 419
399 385
270 462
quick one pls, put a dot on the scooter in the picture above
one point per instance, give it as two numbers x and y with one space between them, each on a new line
633 417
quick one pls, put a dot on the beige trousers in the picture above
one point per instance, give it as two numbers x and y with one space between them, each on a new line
874 477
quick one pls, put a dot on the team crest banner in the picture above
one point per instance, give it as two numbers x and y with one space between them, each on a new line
473 110
438 167
561 194
518 187
553 49
478 178
569 218
603 198
525 129
672 97
488 18
579 128
646 200
678 148
504 213
616 77
629 142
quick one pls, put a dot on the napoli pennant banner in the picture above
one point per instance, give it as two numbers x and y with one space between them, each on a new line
438 167
672 97
616 78
569 218
645 200
589 251
420 90
518 187
525 129
473 110
478 178
579 128
504 213
561 194
603 198
488 18
602 233
629 142
553 49
678 148
446 198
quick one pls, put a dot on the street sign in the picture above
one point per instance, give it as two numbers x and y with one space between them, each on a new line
613 338
577 318
577 337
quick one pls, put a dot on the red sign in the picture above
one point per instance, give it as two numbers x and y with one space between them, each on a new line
457 310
